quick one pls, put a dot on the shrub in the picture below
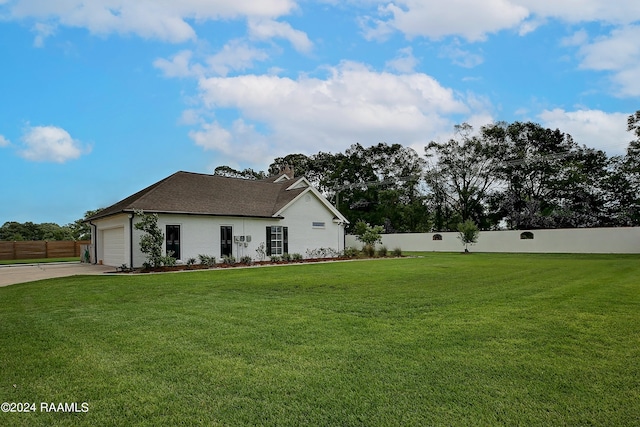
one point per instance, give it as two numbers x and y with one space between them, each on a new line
228 259
152 239
351 252
367 234
382 252
468 233
275 258
168 260
322 253
369 251
296 257
208 260
246 260
286 257
397 252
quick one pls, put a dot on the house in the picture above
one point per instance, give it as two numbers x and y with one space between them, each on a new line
220 216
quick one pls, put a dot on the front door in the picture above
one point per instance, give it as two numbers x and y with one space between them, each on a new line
173 240
226 237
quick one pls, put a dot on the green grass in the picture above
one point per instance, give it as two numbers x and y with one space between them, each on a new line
447 339
38 261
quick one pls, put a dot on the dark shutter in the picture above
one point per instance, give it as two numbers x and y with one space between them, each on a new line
269 241
285 240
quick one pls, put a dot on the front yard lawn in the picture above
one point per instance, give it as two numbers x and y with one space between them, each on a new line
446 339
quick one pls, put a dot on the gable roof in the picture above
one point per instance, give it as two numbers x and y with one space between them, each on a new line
194 193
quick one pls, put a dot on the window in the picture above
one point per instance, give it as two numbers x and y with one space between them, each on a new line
437 237
527 235
173 240
317 224
226 235
277 240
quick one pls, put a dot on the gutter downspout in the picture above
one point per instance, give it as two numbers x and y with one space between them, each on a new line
131 215
95 242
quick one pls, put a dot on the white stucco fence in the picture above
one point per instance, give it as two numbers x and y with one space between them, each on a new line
577 240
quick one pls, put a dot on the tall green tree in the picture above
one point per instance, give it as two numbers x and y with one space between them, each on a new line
549 180
230 172
462 177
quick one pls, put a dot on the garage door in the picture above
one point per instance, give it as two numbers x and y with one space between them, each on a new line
113 247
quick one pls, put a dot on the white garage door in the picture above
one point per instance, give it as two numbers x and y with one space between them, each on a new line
113 247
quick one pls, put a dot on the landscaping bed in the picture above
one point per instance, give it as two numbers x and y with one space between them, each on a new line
193 267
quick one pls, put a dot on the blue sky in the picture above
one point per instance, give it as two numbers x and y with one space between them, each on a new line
100 99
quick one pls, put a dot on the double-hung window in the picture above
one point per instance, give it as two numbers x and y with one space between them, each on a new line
277 240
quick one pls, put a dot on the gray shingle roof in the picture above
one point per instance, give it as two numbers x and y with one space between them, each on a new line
193 193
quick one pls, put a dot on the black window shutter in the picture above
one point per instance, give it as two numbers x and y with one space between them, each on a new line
268 240
285 240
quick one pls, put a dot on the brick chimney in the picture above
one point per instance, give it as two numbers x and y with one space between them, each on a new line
287 170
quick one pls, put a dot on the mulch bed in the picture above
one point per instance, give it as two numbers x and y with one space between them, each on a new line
223 265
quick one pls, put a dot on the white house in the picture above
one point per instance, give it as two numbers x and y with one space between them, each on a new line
218 216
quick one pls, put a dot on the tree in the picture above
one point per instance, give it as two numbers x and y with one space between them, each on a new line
367 234
230 172
550 181
152 239
29 231
381 184
463 177
468 233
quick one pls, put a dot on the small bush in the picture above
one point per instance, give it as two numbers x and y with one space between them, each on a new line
322 253
397 252
383 252
351 252
190 263
286 257
296 257
168 260
246 260
275 258
369 250
228 259
208 260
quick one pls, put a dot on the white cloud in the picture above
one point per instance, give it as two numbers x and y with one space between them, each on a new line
42 31
618 53
240 143
352 104
474 20
50 144
405 62
265 29
593 128
435 19
574 11
4 142
178 66
578 38
236 55
159 19
461 57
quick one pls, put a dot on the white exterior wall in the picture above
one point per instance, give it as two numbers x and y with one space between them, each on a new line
577 240
97 240
300 217
200 234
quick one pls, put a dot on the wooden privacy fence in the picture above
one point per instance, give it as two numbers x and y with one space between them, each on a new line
41 249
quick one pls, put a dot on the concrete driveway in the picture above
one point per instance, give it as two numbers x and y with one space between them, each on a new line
20 273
